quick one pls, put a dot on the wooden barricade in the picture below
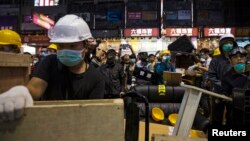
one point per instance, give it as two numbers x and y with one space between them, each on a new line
79 120
14 70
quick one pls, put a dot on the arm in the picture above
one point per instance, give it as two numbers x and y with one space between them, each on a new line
203 68
122 77
36 87
120 51
212 70
133 52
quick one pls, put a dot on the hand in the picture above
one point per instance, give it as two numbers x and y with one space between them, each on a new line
13 101
122 94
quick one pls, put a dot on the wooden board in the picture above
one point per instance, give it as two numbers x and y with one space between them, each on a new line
175 138
86 120
14 70
161 129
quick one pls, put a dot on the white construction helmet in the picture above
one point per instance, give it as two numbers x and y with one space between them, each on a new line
227 36
69 29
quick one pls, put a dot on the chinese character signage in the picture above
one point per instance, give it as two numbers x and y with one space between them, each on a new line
242 32
141 32
218 31
35 39
180 31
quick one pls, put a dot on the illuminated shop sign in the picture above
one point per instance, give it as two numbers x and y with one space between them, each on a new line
141 32
42 20
242 32
218 31
46 2
180 31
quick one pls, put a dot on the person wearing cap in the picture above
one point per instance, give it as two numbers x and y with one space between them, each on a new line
65 76
219 65
216 52
236 77
164 65
52 48
10 41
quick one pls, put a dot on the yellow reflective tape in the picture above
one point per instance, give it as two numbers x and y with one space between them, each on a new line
161 89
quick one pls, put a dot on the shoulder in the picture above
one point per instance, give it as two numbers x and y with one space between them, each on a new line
94 72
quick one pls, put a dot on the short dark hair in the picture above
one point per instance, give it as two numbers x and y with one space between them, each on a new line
150 55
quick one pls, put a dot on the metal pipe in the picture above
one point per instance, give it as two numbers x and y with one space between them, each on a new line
208 92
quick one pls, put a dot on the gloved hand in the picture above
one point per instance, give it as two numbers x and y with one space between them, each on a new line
13 101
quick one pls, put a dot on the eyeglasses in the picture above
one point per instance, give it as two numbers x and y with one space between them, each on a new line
101 50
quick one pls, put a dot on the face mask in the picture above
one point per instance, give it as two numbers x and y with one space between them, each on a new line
69 57
51 52
110 62
44 54
202 60
35 61
165 59
132 61
227 48
239 68
111 58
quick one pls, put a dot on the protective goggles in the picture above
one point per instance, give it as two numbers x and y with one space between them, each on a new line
237 50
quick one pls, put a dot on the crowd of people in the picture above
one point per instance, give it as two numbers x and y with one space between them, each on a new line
76 66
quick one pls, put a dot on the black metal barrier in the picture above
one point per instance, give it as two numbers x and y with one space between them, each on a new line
132 116
154 94
241 107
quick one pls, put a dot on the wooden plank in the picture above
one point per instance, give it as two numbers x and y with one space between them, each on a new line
14 70
97 120
155 128
175 138
14 60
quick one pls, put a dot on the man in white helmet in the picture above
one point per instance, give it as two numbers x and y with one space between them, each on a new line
66 75
219 65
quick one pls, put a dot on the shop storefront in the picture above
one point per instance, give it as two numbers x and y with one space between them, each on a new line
171 34
143 39
211 37
37 41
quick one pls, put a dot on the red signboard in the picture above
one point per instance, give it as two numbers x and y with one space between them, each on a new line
242 32
42 20
35 39
134 15
141 32
180 31
218 31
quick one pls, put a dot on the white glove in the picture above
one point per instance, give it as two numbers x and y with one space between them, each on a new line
13 101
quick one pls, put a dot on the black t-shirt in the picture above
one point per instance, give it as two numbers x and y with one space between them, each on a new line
63 84
233 80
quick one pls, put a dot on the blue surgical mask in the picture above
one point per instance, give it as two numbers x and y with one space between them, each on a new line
165 59
239 68
69 57
44 54
227 47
